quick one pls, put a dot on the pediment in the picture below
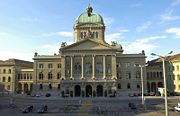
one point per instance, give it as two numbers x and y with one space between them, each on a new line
88 45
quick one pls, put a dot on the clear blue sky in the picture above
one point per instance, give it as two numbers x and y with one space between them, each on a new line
28 26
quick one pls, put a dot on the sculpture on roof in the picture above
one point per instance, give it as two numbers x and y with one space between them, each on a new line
63 44
89 10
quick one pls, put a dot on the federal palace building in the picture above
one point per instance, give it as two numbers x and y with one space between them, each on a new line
90 67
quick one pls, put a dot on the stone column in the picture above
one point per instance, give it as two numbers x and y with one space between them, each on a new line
93 76
29 86
22 88
104 67
71 67
63 59
82 67
113 66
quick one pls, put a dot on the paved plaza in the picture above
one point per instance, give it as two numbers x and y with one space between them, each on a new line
87 106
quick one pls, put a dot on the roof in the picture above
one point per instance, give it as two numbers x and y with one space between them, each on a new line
95 42
89 17
16 62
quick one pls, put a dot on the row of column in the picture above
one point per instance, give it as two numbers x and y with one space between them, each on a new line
113 66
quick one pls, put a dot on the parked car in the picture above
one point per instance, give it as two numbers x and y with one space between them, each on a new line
48 94
27 109
152 94
38 95
136 94
33 95
177 108
131 95
42 109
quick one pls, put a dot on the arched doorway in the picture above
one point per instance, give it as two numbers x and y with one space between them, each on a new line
99 90
19 89
31 87
77 90
88 91
25 87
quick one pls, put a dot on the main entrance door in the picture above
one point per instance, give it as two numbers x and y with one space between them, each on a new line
99 91
77 90
88 91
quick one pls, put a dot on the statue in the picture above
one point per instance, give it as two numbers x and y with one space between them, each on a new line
89 10
113 43
90 34
63 44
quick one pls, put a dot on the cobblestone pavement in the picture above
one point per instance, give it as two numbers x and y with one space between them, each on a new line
87 106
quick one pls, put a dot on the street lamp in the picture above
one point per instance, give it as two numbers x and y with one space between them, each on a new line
164 74
142 81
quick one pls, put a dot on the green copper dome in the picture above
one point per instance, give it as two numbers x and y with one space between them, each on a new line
89 17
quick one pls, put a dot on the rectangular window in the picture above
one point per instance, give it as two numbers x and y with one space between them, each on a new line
4 79
50 66
41 65
59 65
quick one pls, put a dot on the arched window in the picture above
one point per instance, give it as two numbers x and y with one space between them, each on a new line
4 70
41 76
119 86
59 86
50 86
9 71
9 79
8 87
40 86
24 76
28 76
58 75
128 86
4 79
138 86
49 75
